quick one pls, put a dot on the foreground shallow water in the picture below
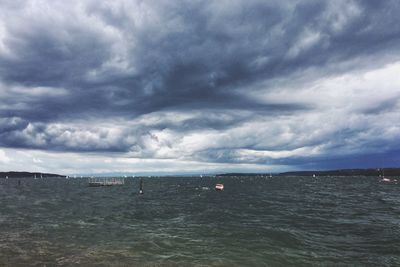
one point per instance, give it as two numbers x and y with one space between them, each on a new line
182 221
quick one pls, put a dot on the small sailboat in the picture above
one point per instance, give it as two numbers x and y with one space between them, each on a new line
387 180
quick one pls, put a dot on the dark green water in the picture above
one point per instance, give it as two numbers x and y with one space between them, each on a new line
282 221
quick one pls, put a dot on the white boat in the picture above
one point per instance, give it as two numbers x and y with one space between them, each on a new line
387 180
219 187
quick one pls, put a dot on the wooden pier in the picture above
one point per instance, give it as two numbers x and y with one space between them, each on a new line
105 181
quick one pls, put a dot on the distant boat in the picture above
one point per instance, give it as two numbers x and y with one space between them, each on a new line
105 181
219 187
386 180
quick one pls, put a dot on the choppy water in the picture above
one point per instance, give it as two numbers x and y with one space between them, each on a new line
279 221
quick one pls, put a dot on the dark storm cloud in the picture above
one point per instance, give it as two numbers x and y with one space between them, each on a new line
197 53
12 124
96 60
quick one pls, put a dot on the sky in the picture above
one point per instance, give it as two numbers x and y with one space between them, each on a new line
173 87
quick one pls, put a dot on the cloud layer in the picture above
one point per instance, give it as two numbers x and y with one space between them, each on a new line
289 84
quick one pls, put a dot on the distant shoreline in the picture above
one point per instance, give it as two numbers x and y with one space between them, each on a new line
14 174
341 172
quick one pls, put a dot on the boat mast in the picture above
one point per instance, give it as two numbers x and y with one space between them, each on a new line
141 186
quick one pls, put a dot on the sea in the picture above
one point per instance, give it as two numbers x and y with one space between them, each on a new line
184 221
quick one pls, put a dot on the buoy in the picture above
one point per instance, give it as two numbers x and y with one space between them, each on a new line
219 187
141 187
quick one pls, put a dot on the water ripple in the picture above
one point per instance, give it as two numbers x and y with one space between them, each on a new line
182 221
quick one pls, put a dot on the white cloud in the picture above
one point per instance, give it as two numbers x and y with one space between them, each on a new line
350 92
305 42
4 158
77 163
352 112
